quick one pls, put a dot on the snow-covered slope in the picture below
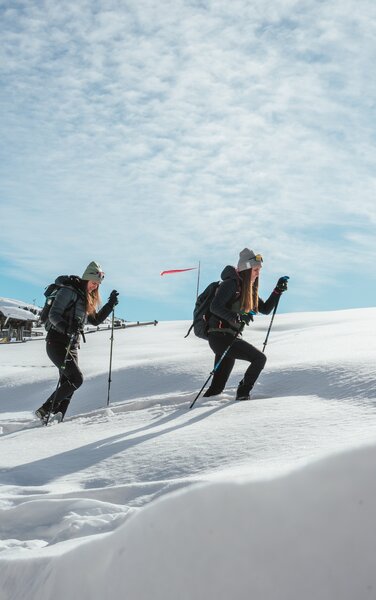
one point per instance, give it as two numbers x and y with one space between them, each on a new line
102 505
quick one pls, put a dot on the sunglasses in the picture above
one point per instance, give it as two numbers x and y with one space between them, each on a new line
251 265
97 275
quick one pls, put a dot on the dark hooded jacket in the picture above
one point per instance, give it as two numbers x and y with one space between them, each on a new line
70 305
225 307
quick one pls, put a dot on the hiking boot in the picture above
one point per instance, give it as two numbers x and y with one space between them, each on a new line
243 397
41 413
211 392
242 393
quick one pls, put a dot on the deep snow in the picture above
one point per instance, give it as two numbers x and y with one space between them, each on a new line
103 504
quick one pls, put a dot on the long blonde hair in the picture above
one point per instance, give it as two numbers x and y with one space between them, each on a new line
93 301
249 294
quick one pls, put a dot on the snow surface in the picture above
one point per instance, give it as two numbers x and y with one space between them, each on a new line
272 498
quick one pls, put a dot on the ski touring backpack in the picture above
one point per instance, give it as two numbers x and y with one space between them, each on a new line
50 294
201 312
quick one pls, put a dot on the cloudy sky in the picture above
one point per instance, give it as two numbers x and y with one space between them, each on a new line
153 134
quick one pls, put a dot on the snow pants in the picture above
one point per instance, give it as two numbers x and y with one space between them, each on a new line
70 378
241 350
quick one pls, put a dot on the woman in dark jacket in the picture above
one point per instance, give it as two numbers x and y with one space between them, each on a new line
76 303
235 303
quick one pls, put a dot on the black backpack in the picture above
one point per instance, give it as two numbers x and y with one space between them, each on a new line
50 294
201 312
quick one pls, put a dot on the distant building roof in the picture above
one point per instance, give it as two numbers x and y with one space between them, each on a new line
16 309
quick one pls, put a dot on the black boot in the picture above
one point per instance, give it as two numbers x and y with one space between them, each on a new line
212 392
41 413
243 391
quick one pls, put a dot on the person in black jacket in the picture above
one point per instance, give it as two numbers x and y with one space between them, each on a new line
235 303
76 303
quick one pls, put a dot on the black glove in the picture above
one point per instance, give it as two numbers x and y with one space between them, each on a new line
281 285
238 323
245 318
113 298
74 328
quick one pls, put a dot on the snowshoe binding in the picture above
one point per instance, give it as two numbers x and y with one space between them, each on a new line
45 419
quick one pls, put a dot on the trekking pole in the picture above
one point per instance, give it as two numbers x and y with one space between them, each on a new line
271 323
110 369
272 319
61 371
217 365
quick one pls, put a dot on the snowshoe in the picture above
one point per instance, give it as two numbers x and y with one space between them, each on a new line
42 415
56 418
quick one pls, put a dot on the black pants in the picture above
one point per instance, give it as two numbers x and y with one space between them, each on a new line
70 378
241 350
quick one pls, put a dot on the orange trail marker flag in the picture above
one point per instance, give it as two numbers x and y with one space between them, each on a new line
182 270
177 271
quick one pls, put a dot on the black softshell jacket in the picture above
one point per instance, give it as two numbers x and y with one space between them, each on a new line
225 305
70 304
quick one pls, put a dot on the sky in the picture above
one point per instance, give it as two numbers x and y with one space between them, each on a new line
153 135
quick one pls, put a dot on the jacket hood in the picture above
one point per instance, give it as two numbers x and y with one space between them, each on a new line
229 272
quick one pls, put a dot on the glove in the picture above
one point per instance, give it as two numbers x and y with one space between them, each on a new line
281 285
113 298
74 328
245 318
239 322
